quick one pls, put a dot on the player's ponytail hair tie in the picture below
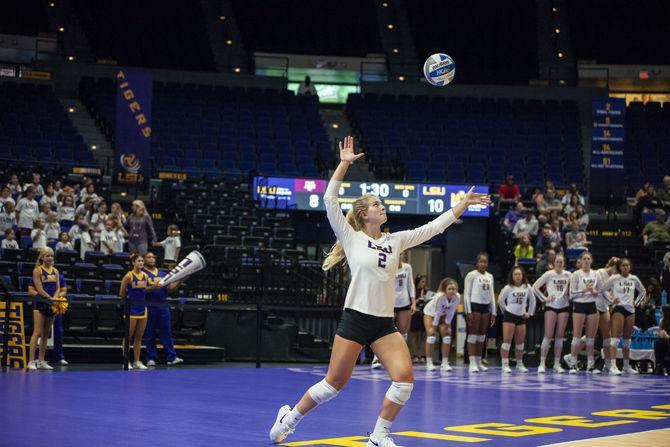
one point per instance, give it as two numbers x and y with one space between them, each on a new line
355 219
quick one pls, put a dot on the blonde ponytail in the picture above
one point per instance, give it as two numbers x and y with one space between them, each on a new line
355 219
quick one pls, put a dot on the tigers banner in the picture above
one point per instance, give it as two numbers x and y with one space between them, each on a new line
133 127
12 333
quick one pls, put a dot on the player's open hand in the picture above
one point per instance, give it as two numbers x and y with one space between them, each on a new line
475 198
347 150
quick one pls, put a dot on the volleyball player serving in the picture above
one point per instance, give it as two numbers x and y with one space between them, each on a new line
367 319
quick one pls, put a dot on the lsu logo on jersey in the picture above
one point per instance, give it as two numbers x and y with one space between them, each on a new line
387 250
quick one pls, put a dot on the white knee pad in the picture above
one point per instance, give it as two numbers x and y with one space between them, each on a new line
575 341
404 336
472 338
519 347
558 343
546 343
614 342
626 343
322 392
481 338
431 340
589 342
447 340
399 392
506 346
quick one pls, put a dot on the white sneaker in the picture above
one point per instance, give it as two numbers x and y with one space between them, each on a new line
376 364
614 371
151 363
481 367
558 369
44 366
63 362
507 370
567 358
446 367
430 366
541 369
629 370
384 442
473 368
606 367
592 369
176 361
139 365
521 368
573 369
32 366
280 430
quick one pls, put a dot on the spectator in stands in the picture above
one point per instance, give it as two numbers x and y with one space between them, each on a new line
64 242
572 191
581 216
117 211
140 229
85 240
306 88
642 192
7 217
121 235
14 184
6 196
10 240
66 212
38 235
647 202
663 194
52 228
544 241
556 233
550 203
108 239
665 274
526 226
27 211
89 191
76 230
662 345
50 198
523 250
513 215
44 211
576 238
509 190
171 245
657 230
537 197
546 262
35 183
571 207
98 221
86 209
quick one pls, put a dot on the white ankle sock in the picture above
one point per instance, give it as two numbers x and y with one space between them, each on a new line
613 364
293 417
478 360
382 429
543 361
626 363
505 362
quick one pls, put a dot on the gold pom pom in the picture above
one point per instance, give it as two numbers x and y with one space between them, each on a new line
59 306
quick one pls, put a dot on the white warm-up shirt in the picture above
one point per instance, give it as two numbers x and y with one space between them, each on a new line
374 262
557 285
442 305
404 286
623 289
579 281
517 300
602 300
478 288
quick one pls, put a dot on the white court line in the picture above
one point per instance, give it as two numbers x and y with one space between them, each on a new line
602 437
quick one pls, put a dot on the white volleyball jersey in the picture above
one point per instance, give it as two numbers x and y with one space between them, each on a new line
404 286
557 285
623 290
478 288
442 305
374 262
517 300
603 300
579 281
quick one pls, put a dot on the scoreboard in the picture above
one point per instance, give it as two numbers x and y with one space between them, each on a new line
398 198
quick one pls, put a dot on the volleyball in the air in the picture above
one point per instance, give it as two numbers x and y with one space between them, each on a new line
439 69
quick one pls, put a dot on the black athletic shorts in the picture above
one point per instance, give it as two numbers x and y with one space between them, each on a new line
362 328
560 310
480 308
622 310
585 308
512 318
400 309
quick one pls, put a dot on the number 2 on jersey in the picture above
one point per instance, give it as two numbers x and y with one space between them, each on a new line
382 260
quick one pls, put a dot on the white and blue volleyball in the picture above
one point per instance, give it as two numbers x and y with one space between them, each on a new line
439 69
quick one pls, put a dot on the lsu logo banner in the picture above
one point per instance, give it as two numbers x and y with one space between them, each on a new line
133 127
15 333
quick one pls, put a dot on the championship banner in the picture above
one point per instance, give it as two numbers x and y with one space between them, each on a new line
15 333
607 147
133 127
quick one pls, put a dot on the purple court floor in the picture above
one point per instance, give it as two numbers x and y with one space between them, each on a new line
236 406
